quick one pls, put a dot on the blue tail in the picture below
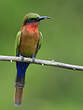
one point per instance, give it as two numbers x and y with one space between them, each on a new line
21 68
20 81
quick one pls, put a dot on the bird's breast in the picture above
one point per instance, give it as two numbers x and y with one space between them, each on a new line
28 43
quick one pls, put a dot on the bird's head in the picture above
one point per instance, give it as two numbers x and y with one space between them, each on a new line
33 18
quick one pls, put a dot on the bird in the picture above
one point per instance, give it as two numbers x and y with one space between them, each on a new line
28 42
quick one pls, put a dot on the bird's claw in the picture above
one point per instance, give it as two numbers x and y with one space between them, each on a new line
22 58
33 59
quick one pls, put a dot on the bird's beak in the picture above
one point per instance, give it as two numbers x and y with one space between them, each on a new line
43 17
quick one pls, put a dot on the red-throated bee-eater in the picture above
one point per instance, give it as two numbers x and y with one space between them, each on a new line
28 42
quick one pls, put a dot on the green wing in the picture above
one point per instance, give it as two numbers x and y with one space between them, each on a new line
18 36
41 39
39 43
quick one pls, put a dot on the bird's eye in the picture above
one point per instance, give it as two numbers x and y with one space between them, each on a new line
30 20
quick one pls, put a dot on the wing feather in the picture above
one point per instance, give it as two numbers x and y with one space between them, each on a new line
39 43
18 36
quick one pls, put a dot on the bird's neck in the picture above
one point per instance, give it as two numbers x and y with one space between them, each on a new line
32 27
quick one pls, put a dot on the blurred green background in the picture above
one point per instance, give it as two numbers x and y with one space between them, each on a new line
47 88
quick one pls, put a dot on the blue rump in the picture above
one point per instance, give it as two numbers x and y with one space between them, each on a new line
21 68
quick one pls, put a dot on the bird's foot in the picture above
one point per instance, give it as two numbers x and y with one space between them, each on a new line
22 58
33 58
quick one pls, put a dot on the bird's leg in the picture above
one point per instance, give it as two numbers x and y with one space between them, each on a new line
22 58
33 58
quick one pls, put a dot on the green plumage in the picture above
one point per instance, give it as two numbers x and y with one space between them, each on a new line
17 43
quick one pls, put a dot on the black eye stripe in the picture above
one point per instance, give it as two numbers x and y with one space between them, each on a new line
25 22
30 20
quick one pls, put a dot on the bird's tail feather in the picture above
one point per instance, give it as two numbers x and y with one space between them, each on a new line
18 96
19 88
20 82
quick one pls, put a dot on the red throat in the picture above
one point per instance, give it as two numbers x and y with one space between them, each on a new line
32 27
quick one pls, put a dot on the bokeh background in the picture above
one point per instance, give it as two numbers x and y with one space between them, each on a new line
47 88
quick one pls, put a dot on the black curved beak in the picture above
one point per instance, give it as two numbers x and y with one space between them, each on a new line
43 17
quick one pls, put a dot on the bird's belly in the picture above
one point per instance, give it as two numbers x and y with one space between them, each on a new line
28 46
